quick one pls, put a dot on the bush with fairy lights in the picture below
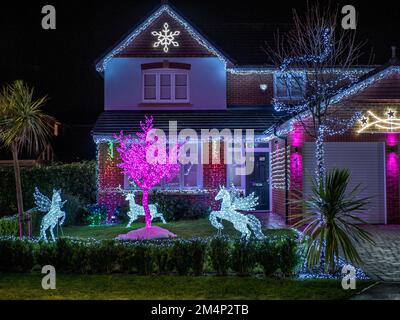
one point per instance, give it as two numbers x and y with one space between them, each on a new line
96 215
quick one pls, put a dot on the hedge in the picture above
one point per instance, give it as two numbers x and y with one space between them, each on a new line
75 179
175 256
9 226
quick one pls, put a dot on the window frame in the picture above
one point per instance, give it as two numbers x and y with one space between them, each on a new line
164 186
172 73
288 88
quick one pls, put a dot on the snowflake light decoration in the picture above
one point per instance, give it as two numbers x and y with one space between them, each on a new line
165 38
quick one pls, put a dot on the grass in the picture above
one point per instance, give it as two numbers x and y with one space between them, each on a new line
86 287
183 228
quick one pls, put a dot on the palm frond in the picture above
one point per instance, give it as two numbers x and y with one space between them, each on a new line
331 222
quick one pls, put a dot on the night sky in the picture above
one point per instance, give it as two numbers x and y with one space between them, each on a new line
60 63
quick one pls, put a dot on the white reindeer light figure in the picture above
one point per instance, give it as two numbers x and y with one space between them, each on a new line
232 201
53 209
136 210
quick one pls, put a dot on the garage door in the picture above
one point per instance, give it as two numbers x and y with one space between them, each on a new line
365 160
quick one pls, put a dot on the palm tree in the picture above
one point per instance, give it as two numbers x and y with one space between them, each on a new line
330 221
23 126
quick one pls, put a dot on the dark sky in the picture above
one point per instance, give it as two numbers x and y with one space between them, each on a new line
60 62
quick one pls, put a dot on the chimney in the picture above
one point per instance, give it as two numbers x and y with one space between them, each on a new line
394 59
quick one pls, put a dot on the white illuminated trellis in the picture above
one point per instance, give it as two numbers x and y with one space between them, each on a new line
53 209
371 121
165 38
232 203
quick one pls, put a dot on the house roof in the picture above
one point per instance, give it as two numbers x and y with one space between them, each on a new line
379 73
257 118
126 42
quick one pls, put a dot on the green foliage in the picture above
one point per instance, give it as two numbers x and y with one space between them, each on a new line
331 221
220 255
9 226
143 258
16 255
181 256
74 209
178 207
267 256
75 179
288 256
243 257
162 257
198 251
95 214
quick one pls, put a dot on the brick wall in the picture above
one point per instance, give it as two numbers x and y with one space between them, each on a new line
245 89
109 177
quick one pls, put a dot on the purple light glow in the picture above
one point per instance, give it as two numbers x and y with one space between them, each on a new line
391 139
296 136
296 166
392 165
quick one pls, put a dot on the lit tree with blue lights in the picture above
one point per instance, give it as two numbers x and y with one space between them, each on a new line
316 62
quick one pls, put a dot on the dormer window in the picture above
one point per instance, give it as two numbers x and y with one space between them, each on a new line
289 86
162 85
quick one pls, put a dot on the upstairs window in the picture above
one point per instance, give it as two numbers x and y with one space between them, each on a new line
162 86
289 87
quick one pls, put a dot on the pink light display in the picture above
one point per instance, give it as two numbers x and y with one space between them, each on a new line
146 164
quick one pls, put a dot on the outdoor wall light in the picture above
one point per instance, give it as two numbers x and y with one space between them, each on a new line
263 87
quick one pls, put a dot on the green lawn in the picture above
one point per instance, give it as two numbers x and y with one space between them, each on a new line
28 286
183 228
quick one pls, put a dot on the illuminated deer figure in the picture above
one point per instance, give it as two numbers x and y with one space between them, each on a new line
53 209
232 201
136 210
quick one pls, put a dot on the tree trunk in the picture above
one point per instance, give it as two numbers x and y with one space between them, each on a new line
18 189
320 156
145 204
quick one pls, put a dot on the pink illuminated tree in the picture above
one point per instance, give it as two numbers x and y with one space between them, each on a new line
146 161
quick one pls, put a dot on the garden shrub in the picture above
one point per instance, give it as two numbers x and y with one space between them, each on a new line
126 258
9 226
181 256
288 256
243 256
75 179
74 209
176 207
16 255
198 252
95 214
46 254
143 259
162 258
167 256
267 256
220 254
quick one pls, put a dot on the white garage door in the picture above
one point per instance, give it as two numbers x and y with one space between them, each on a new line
365 160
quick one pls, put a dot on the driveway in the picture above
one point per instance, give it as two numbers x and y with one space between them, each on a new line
382 260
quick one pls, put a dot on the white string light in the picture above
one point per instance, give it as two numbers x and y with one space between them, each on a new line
232 202
53 209
390 124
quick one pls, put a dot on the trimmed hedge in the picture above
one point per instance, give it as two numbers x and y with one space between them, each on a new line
75 179
9 226
219 255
